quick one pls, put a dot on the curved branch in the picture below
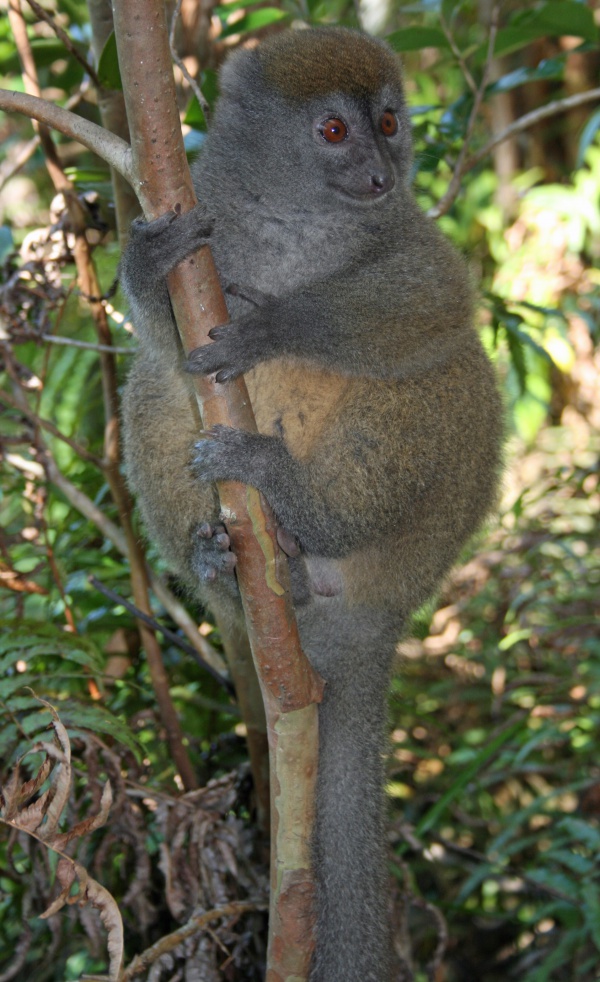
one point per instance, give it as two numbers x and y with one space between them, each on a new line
530 119
109 147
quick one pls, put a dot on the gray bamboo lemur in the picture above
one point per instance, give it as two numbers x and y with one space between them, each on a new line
379 419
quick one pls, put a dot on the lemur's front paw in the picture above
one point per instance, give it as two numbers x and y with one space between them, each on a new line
165 242
225 454
233 351
212 557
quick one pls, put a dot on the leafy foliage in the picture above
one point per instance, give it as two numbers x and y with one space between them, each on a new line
493 777
494 769
41 818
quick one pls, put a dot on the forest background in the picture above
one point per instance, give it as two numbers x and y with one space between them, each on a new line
493 777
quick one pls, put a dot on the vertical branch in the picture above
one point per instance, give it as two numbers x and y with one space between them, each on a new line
89 284
290 687
114 117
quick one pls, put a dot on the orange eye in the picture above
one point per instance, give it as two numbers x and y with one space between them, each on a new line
388 123
333 130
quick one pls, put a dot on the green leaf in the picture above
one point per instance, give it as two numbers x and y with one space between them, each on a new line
194 116
47 50
516 350
572 860
474 881
588 135
7 244
77 716
513 638
108 65
568 17
429 158
554 18
254 20
559 957
557 881
591 910
209 81
550 68
88 175
34 640
75 11
581 832
225 11
434 814
415 38
514 334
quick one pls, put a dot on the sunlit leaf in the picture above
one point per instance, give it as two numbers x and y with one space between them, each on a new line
415 38
254 20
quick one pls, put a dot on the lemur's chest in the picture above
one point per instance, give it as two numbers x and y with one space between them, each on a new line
294 401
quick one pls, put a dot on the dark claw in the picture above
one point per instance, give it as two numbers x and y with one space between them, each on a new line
256 297
218 332
209 359
226 375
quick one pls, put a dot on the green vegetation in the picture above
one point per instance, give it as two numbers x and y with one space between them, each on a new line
493 776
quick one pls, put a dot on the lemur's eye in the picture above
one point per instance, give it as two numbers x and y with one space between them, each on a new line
333 130
388 123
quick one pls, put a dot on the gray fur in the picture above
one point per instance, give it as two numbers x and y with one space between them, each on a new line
380 423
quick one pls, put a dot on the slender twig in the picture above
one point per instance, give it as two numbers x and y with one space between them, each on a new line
196 924
11 579
433 965
459 169
86 345
23 408
13 163
66 40
86 507
157 626
530 119
181 64
17 159
458 55
524 123
111 148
